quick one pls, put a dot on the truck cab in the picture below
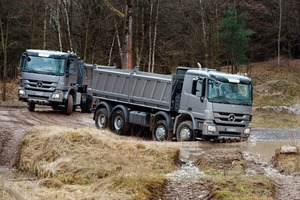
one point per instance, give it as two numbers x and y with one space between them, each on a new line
54 78
219 105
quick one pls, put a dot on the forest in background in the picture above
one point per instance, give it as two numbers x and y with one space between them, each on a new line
165 34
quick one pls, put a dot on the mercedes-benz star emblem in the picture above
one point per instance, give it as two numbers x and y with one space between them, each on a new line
39 84
231 118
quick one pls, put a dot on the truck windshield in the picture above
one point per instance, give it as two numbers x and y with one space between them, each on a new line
229 93
44 65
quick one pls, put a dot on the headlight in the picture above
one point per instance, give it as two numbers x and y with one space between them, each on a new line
211 128
56 96
247 131
21 92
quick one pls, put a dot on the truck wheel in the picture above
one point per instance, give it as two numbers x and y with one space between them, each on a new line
101 118
119 126
69 105
160 131
31 106
185 131
86 104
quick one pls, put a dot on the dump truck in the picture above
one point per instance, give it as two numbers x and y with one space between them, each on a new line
190 104
54 78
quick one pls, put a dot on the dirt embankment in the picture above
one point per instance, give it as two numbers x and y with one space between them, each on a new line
16 121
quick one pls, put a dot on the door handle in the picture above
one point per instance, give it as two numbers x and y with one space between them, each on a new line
189 109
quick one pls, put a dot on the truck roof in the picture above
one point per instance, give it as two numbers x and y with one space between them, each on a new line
220 76
49 53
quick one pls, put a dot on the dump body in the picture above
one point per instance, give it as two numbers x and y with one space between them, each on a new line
133 87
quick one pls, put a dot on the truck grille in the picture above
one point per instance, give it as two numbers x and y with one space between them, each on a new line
226 119
40 85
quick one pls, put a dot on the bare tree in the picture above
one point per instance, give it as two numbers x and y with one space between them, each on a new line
203 29
4 33
65 6
279 33
154 37
127 60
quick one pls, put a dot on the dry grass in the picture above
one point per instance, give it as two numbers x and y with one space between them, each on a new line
276 86
225 168
11 94
270 119
242 187
88 163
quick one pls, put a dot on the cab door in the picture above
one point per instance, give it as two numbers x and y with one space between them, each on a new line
72 71
196 97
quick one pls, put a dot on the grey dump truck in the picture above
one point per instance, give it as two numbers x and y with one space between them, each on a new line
190 104
54 78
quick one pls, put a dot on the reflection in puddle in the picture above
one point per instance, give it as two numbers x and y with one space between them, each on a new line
264 149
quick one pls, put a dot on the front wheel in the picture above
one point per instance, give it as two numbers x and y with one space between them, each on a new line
101 118
118 123
160 131
69 105
185 131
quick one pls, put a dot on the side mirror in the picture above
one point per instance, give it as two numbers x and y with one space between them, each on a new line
200 89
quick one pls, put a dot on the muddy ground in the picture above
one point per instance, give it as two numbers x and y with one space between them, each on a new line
14 122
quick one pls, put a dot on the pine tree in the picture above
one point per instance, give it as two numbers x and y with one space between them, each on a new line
233 38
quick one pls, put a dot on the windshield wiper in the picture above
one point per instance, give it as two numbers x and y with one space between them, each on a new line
244 103
221 101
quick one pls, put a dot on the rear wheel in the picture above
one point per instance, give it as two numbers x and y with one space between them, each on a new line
86 104
101 118
118 123
69 105
160 131
185 131
31 106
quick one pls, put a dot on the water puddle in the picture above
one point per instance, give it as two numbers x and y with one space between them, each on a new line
187 171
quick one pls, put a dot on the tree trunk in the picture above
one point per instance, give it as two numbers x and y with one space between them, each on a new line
119 42
4 42
203 31
65 4
279 33
150 36
128 36
58 24
45 26
154 39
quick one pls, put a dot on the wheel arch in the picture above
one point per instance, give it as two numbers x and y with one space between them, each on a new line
124 109
161 115
183 117
106 105
71 92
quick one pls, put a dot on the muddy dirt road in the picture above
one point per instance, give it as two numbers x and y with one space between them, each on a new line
14 123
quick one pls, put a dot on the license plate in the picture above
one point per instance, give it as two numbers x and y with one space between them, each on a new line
230 129
38 93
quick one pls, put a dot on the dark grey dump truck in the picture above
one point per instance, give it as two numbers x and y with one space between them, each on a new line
54 78
191 104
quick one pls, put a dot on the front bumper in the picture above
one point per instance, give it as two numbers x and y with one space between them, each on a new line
40 97
225 132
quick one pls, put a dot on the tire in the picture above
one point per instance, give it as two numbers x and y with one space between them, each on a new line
118 123
86 104
31 106
101 118
160 131
185 131
69 105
